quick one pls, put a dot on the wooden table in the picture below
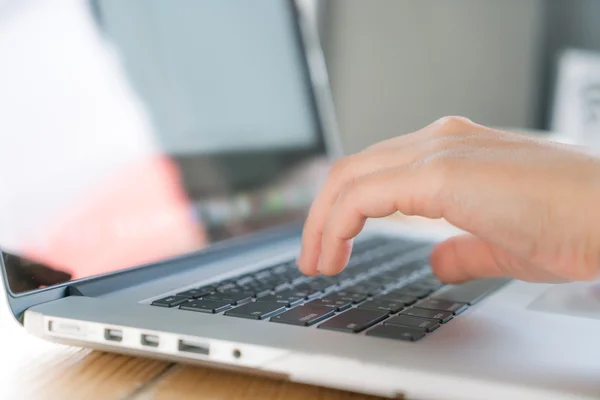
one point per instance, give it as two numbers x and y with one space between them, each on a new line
31 368
36 370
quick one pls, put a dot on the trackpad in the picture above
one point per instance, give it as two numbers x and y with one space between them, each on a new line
573 299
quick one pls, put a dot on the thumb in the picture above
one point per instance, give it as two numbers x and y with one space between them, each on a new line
466 257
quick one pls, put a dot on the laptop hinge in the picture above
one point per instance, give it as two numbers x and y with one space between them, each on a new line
73 291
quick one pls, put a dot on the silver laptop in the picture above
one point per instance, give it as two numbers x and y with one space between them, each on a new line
236 97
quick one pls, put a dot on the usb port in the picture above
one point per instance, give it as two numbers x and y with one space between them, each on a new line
193 347
114 335
150 340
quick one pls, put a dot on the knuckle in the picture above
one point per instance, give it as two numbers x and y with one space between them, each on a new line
351 194
453 124
340 168
348 190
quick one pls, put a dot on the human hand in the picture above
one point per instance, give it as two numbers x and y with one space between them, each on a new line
531 208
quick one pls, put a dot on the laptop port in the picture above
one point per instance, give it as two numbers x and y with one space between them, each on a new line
193 347
150 340
114 335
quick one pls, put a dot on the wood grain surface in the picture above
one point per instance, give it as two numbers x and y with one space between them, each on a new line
189 382
61 372
33 369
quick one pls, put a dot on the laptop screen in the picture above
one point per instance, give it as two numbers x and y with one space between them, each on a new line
142 130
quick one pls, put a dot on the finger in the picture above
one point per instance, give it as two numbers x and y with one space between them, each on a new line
345 170
379 156
313 228
462 258
466 257
394 152
412 190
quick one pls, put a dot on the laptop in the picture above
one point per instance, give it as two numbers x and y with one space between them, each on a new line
223 110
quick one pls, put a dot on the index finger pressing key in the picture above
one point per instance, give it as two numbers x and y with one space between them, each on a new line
408 189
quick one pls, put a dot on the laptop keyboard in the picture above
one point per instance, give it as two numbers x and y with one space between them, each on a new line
387 289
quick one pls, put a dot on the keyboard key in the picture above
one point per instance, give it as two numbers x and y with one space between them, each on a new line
297 280
320 283
306 290
282 286
226 287
431 278
405 266
368 289
336 305
195 293
390 276
396 332
209 288
170 301
256 310
349 296
441 316
442 305
425 325
412 292
293 274
354 320
281 269
272 281
431 281
261 293
366 244
419 285
343 277
206 306
404 300
295 292
473 291
245 280
303 316
376 280
382 305
232 297
262 274
287 298
256 288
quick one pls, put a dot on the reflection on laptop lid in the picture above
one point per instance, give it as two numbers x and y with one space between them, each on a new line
150 131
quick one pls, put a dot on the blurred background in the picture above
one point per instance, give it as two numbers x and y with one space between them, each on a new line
397 65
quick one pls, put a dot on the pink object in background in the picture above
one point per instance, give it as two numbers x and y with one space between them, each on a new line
140 215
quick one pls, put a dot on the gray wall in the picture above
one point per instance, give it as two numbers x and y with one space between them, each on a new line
397 65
